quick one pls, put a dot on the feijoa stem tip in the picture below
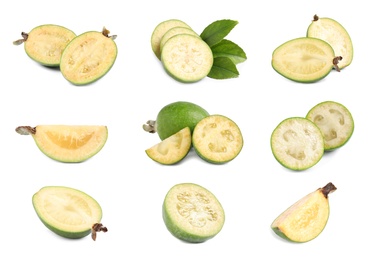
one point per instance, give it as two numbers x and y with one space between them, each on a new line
336 61
328 188
150 126
26 130
97 227
20 41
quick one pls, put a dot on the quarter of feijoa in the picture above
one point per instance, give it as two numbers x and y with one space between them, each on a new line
297 143
335 122
68 212
192 213
88 57
174 117
45 43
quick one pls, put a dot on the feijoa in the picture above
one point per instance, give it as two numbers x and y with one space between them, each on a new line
45 43
88 57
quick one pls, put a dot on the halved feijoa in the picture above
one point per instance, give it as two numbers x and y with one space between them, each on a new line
304 59
297 143
305 219
335 122
187 58
172 149
159 32
45 43
88 57
68 212
192 213
67 143
217 139
174 117
336 35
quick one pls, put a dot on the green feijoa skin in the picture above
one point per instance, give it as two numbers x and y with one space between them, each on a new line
174 117
297 143
192 213
335 122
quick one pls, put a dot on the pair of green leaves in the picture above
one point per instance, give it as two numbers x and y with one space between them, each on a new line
227 54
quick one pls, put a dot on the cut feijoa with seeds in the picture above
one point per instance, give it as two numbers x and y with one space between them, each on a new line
68 212
45 43
67 143
336 35
305 219
304 59
335 122
88 57
174 31
172 149
192 213
217 139
187 58
297 143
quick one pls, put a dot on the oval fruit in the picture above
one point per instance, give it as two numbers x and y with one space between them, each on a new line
67 212
88 57
67 143
192 213
335 122
297 143
45 43
217 139
304 59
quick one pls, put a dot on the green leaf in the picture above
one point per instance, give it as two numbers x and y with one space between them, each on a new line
216 31
223 68
229 49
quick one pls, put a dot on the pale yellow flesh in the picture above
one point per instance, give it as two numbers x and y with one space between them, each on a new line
174 31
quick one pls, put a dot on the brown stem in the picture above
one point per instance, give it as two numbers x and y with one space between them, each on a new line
336 61
150 126
26 130
106 32
97 227
328 188
20 41
315 18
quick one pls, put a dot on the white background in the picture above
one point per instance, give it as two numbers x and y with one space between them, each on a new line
253 189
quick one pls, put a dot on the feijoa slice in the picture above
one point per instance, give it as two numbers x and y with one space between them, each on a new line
335 122
297 143
174 31
68 212
192 213
217 139
336 35
45 43
304 59
88 57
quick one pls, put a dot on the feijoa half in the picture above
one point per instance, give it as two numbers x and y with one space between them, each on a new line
45 43
297 143
192 213
88 57
67 143
68 212
217 139
335 122
305 59
336 35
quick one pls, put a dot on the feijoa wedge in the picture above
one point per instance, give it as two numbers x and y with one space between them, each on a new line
45 43
305 59
192 213
172 149
336 35
297 143
335 122
217 139
68 212
88 57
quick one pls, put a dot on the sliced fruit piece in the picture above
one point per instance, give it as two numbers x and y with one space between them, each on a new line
335 122
67 143
174 31
174 117
304 59
336 35
172 149
160 30
68 212
217 139
187 58
297 143
306 218
192 213
88 57
45 43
